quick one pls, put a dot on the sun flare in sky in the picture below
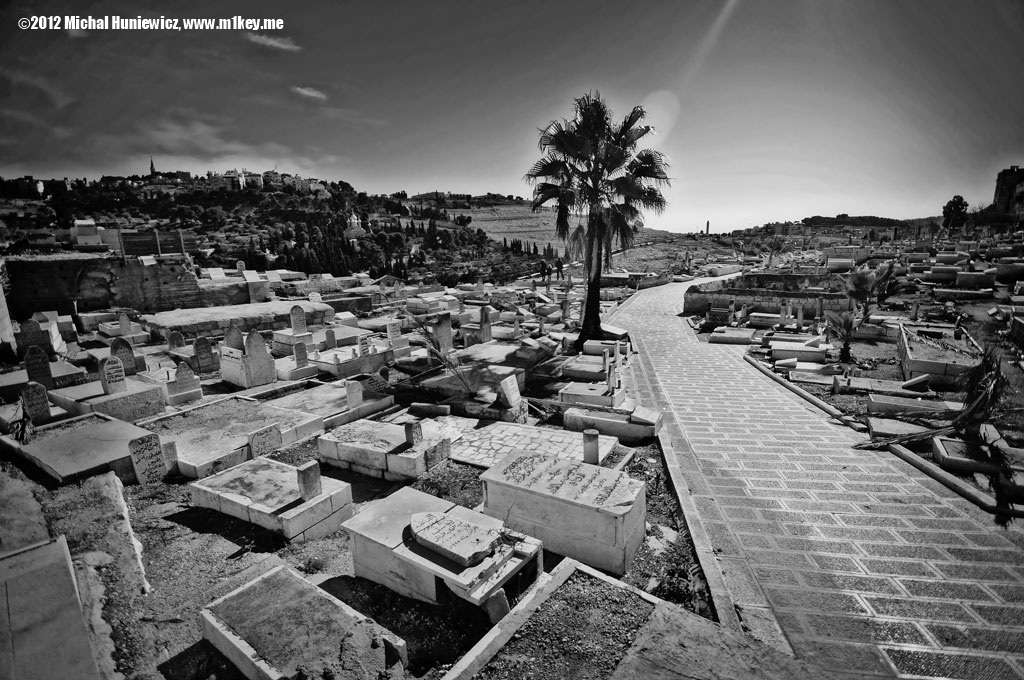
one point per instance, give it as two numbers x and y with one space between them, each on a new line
767 110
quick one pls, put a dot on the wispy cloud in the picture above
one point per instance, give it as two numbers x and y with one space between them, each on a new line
57 96
286 44
34 121
310 92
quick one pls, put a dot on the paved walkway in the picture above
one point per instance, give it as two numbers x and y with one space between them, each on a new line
867 565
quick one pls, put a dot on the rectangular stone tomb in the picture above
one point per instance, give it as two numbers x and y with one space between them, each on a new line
412 541
586 512
43 631
200 355
344 362
293 501
595 394
221 434
81 447
281 626
488 442
337 403
620 425
137 401
395 452
583 368
58 373
179 386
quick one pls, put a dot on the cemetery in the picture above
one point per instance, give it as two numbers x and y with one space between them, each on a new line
426 486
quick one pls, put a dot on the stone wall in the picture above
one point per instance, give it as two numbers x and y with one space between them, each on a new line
786 282
699 299
39 284
217 294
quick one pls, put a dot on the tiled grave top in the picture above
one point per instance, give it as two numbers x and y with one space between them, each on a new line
579 483
485 445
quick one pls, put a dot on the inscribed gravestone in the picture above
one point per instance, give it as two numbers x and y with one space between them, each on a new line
148 459
265 441
301 355
175 340
353 393
330 340
463 542
185 379
364 345
121 349
240 266
204 354
394 330
250 276
298 319
31 333
37 366
508 392
34 402
112 375
124 324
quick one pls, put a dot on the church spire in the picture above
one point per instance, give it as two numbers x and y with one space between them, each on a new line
152 168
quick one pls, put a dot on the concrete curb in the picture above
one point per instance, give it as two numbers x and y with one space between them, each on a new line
724 605
803 394
950 481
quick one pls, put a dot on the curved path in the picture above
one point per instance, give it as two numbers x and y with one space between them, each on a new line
851 559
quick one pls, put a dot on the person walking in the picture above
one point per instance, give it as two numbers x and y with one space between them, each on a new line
545 272
558 268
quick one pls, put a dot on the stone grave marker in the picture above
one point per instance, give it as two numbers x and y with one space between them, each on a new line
394 330
31 333
309 480
257 359
298 319
234 338
485 323
203 352
250 276
331 340
37 366
508 392
443 333
112 375
121 349
124 324
175 340
463 542
240 266
265 441
353 393
364 345
34 402
148 459
413 433
301 355
185 378
315 297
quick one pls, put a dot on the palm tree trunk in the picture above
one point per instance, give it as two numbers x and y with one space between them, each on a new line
591 329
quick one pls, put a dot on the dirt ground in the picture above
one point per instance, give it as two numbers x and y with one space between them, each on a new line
582 631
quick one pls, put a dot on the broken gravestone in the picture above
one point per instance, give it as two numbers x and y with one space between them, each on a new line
148 459
463 542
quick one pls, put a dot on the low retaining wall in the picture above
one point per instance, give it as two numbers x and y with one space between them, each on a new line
215 321
699 299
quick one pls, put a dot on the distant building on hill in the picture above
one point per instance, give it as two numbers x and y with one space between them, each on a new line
1009 195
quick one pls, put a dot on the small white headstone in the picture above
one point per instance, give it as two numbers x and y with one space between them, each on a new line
112 376
148 459
265 441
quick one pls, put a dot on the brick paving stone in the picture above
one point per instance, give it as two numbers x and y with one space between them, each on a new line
932 664
879 570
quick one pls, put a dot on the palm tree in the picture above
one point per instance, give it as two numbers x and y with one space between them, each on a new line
841 326
591 169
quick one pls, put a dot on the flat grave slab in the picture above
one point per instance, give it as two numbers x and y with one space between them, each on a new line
490 441
280 624
269 493
217 435
892 388
80 447
64 374
138 401
880 403
344 362
586 512
883 428
619 425
41 624
329 401
385 550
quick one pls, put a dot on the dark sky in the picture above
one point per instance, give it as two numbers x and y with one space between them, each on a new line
767 109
